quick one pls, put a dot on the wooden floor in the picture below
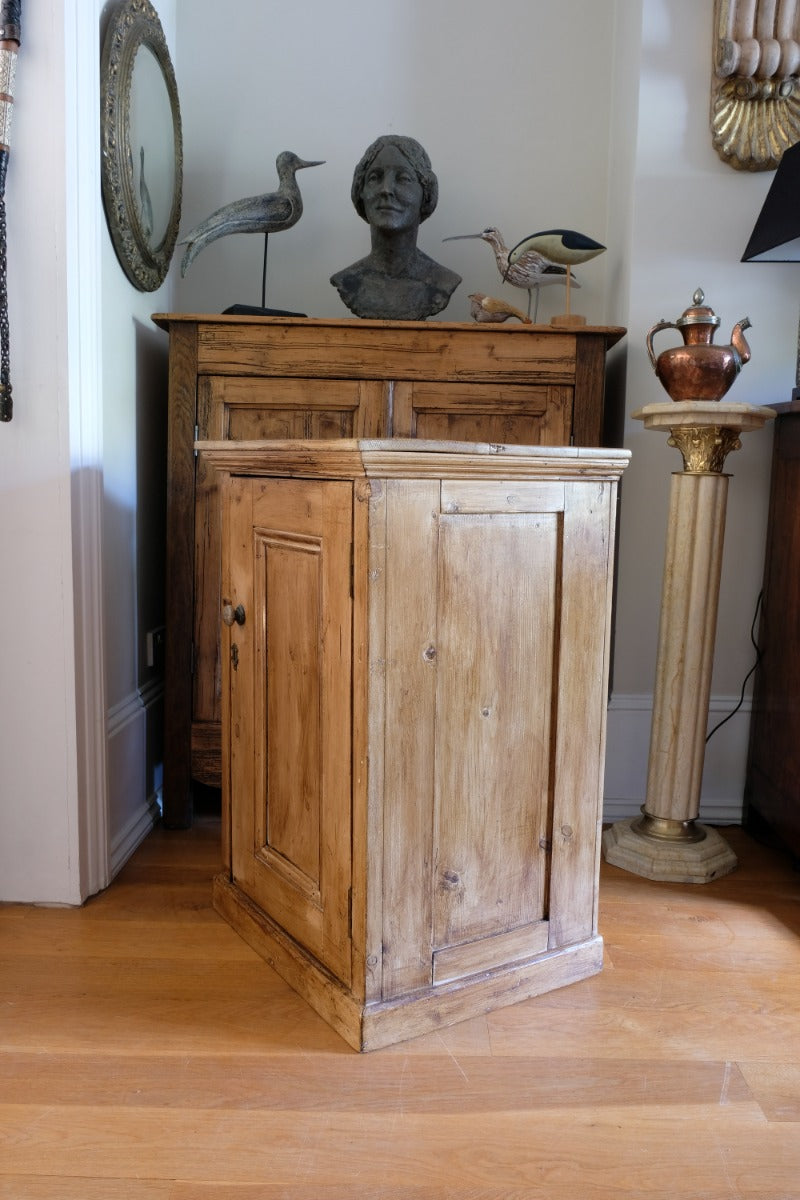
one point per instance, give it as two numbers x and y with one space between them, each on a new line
147 1054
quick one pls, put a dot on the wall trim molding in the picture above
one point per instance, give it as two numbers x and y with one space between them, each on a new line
130 837
82 100
628 744
126 738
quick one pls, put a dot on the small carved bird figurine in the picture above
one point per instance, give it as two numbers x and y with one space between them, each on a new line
489 308
266 214
531 272
564 246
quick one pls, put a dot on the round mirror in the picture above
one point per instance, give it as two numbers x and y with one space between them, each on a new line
142 152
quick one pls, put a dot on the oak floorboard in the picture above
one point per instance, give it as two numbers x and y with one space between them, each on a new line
564 1148
146 1053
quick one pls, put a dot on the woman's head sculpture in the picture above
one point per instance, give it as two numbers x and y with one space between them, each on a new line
415 155
394 189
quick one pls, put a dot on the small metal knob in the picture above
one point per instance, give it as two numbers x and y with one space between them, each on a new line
231 614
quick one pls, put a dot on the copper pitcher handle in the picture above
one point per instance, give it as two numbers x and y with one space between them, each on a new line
651 334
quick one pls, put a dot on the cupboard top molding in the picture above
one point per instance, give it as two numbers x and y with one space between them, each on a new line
398 458
613 333
316 348
755 85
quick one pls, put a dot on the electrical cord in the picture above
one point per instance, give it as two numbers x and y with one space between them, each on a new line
759 656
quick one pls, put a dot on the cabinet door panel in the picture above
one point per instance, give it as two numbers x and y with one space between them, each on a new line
275 408
477 412
498 594
245 408
581 719
291 709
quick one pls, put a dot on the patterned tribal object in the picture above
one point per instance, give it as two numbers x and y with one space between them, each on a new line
10 11
8 69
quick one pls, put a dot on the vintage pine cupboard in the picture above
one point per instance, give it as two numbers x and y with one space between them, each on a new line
415 658
245 378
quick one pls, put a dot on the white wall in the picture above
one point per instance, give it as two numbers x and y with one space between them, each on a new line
75 706
134 408
533 121
529 123
39 835
692 216
499 103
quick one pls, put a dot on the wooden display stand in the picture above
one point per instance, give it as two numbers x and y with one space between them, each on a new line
668 842
415 660
244 378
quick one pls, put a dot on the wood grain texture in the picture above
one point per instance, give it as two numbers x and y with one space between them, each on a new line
179 576
488 601
290 706
408 735
246 379
148 1053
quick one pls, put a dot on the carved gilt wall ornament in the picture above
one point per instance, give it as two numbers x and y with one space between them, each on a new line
704 448
755 87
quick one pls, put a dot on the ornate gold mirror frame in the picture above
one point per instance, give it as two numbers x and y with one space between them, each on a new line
755 88
141 142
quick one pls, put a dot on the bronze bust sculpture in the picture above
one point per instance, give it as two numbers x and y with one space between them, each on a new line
394 189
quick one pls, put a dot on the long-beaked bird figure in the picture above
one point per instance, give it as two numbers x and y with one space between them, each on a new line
564 246
485 308
269 213
530 273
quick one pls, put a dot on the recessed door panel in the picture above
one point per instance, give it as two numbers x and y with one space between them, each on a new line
496 659
290 697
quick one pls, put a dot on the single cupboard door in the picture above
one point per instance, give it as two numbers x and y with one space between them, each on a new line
290 707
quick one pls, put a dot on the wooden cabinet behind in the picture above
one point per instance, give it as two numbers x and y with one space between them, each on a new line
772 790
245 378
413 783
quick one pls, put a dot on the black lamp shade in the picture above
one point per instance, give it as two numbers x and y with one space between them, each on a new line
776 236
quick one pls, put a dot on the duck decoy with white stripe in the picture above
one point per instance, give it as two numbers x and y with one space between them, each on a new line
565 246
531 271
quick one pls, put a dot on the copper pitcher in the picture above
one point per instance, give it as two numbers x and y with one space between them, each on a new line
698 370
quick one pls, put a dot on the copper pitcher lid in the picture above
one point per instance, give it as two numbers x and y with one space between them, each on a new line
698 312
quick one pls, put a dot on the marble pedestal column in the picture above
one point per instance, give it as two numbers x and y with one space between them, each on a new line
667 842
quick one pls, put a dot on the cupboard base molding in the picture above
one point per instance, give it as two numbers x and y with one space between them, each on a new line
372 1026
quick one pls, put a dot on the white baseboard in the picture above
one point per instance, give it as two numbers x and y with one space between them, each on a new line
628 745
127 839
133 805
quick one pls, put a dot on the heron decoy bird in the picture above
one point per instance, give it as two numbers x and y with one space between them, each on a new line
530 273
565 246
269 213
489 308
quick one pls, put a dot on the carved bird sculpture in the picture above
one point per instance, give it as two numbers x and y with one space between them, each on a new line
265 214
530 272
489 308
564 246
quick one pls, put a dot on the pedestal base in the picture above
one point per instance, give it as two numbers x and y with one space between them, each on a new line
568 321
668 861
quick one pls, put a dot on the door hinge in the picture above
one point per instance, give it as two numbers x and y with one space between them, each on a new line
352 570
196 437
192 659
